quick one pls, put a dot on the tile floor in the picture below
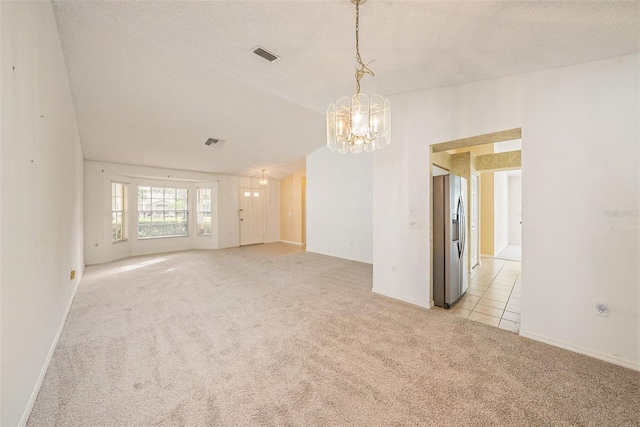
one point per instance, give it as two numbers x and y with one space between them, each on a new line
493 296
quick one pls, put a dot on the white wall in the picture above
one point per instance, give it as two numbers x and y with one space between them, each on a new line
515 210
504 146
585 117
437 171
41 201
500 212
339 204
581 134
401 179
97 210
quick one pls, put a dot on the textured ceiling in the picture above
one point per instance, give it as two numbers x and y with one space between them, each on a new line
153 80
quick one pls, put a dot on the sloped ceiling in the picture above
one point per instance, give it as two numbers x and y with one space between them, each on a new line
153 80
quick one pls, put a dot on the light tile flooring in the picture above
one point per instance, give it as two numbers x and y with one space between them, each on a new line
493 296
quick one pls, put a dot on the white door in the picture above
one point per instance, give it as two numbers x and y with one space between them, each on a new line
515 208
474 221
251 216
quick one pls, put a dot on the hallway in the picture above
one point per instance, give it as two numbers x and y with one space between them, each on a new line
493 296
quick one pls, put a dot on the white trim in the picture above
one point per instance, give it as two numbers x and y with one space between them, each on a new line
407 300
587 352
293 243
109 259
341 257
45 367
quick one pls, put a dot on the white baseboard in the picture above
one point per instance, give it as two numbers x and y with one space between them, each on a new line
108 259
293 243
54 344
587 352
408 300
339 256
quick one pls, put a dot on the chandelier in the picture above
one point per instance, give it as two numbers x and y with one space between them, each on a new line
263 180
359 123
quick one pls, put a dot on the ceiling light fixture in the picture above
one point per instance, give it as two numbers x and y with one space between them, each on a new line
359 123
263 180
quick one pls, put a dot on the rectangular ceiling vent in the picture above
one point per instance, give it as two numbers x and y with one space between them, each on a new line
214 142
263 53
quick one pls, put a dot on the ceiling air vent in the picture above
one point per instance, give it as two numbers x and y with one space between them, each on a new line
265 54
214 142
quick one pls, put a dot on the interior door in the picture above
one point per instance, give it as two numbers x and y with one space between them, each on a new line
475 241
251 216
464 264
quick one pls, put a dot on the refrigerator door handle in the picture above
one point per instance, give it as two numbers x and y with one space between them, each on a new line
464 231
463 226
459 225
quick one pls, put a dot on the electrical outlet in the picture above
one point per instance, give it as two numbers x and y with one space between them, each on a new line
72 275
394 268
413 223
601 309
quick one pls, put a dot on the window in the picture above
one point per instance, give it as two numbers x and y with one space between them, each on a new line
118 216
162 212
204 211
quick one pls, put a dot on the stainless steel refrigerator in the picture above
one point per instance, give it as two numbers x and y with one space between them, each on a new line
449 239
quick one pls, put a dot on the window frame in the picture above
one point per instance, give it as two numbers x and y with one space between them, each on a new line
201 213
124 235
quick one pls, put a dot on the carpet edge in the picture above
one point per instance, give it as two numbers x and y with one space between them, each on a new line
36 389
403 299
629 364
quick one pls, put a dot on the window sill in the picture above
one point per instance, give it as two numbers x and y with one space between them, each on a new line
162 237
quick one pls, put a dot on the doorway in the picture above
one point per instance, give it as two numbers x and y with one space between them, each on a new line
509 221
493 295
474 208
251 216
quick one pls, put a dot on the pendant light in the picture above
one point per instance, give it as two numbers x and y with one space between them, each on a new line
263 180
359 123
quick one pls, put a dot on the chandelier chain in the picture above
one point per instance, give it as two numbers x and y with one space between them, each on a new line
360 72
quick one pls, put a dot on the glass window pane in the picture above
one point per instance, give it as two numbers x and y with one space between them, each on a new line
162 212
203 216
118 195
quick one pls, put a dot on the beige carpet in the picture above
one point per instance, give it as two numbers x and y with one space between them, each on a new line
266 336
